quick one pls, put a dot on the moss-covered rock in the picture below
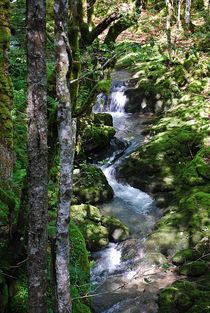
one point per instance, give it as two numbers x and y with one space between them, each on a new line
180 297
195 268
96 137
197 172
103 119
185 255
117 230
94 132
90 185
201 307
183 226
157 162
96 228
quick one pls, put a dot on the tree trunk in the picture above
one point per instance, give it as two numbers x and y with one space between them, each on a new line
90 12
168 26
74 39
6 94
66 141
37 155
187 13
179 15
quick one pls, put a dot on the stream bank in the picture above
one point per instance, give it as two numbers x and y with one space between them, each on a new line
174 167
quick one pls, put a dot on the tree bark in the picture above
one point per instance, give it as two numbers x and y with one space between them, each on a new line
102 26
66 140
37 156
90 11
168 25
6 94
187 13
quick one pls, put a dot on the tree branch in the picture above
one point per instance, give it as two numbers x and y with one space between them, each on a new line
102 26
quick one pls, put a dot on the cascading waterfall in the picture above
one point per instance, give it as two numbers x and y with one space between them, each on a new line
117 99
134 207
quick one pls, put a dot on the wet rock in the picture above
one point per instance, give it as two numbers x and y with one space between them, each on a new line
131 249
101 119
117 230
139 101
115 149
155 258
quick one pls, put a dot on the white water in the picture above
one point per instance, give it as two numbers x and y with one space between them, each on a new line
132 206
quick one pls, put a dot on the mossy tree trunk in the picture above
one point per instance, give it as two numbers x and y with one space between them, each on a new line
90 12
6 94
37 156
66 132
74 39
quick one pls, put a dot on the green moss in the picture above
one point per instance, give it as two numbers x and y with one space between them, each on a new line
179 297
7 198
96 228
196 86
94 133
195 268
104 119
117 230
185 255
19 303
201 307
104 86
97 137
198 170
90 185
79 263
6 94
180 74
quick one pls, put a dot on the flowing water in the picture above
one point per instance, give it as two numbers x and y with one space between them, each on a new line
125 278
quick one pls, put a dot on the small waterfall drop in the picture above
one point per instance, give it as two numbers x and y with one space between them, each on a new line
117 99
115 102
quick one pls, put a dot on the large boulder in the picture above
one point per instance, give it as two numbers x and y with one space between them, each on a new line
94 132
97 229
139 101
90 185
157 166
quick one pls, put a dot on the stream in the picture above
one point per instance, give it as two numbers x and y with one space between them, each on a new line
126 277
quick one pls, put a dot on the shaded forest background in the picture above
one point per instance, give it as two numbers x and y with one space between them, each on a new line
166 48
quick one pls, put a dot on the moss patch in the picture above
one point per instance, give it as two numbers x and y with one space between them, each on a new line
96 228
90 185
180 297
